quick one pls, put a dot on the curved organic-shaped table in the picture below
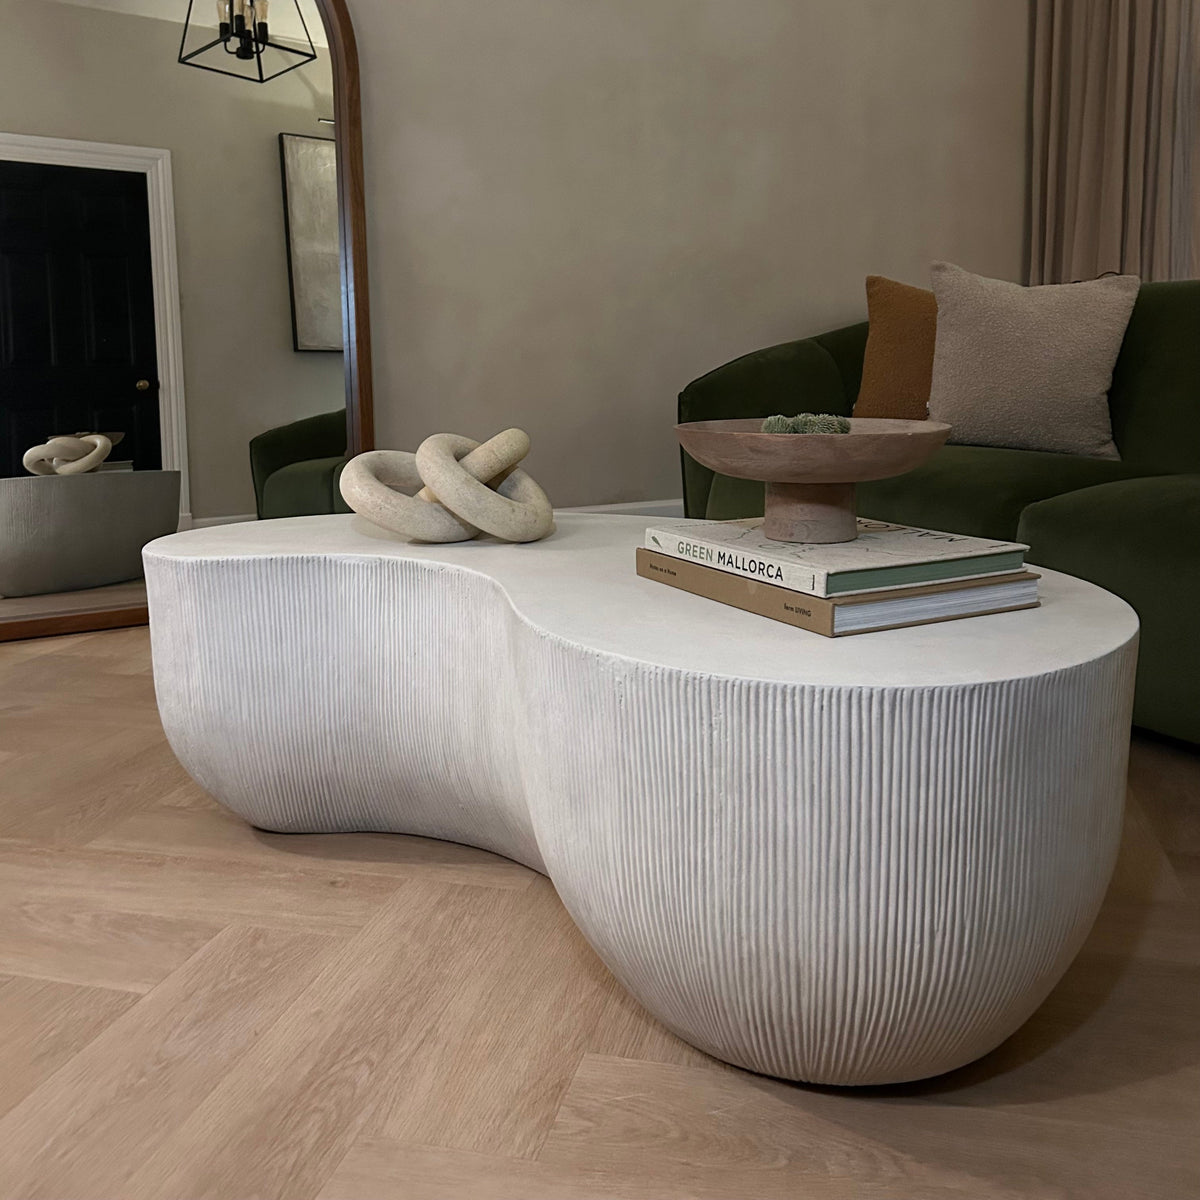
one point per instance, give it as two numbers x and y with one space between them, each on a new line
850 861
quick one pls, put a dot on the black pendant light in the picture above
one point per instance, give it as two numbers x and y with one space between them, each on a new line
239 42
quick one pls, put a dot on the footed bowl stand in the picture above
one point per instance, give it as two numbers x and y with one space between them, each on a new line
810 477
810 512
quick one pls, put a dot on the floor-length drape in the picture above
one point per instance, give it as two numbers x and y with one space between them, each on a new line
1113 139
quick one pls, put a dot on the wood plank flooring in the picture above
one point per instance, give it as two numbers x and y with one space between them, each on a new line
192 1008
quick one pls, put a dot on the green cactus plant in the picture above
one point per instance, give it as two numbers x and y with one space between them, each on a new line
777 424
806 423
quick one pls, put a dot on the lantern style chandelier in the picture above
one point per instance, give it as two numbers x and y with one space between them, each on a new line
240 41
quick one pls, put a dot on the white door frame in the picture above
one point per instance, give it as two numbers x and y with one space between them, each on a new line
164 267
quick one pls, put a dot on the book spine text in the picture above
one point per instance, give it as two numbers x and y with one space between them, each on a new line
764 599
737 562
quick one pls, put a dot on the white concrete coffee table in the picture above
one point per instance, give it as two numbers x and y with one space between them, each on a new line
847 861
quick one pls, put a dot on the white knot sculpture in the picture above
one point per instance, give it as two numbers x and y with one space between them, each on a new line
465 488
63 455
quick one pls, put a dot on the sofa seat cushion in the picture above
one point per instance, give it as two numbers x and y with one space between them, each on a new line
304 489
979 490
1137 538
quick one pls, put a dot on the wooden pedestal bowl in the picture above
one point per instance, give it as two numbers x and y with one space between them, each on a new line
810 477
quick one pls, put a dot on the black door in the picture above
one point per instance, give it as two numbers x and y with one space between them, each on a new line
76 311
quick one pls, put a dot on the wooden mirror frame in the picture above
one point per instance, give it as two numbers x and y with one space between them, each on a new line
352 221
352 224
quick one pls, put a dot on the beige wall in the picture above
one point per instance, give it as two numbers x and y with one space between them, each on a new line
94 75
577 206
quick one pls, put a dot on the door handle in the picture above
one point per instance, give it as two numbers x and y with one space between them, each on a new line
142 385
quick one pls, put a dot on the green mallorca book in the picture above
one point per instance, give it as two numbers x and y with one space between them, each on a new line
882 556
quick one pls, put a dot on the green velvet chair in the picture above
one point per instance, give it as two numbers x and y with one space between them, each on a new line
1131 526
297 466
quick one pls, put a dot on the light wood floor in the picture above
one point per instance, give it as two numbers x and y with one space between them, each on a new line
189 1008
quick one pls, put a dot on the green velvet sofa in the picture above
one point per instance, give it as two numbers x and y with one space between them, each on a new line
297 466
1132 526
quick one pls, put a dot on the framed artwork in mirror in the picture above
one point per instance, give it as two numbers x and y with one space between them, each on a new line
310 215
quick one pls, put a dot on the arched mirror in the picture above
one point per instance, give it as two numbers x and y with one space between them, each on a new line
184 333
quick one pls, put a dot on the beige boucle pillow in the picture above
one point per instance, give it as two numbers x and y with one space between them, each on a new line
1028 367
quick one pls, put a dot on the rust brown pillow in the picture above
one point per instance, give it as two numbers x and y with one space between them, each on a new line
898 363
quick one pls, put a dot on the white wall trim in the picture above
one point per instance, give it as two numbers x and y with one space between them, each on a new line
209 522
164 267
635 508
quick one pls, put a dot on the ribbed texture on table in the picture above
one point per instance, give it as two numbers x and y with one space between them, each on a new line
843 885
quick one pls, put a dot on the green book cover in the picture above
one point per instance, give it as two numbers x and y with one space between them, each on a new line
884 555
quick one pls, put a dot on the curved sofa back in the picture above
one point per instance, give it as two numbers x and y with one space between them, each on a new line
817 374
1155 394
1154 400
322 436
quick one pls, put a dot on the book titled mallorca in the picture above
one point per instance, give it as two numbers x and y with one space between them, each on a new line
883 555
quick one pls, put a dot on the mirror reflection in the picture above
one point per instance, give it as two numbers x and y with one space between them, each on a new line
169 283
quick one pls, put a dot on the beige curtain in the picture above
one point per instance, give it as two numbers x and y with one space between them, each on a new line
1114 126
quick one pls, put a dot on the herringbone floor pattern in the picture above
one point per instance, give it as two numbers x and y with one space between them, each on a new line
190 1008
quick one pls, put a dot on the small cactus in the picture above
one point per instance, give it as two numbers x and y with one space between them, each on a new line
777 424
806 423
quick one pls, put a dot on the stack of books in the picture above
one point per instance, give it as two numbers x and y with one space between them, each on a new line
890 576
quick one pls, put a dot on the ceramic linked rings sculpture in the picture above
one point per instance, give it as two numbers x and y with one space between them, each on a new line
465 488
69 455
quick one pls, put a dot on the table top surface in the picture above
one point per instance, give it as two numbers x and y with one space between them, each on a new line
580 584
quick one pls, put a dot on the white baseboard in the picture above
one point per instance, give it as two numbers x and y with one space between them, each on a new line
208 522
629 508
635 508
